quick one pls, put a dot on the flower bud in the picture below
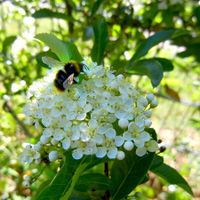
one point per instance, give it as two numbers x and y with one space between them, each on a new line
53 155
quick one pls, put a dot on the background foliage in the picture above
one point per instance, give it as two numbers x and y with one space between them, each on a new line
169 58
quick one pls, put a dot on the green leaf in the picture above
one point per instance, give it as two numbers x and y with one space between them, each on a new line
171 176
47 13
128 173
40 55
96 6
92 181
65 51
7 42
197 15
151 42
157 161
152 132
100 40
61 187
166 64
51 62
149 67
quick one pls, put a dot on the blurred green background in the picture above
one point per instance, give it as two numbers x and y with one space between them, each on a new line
176 119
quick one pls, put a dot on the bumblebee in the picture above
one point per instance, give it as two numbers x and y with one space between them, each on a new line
68 75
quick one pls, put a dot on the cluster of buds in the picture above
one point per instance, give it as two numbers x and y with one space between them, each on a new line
104 115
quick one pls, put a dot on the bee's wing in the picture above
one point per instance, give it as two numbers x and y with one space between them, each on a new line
51 62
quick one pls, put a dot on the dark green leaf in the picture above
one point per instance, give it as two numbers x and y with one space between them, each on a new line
157 161
7 42
150 42
96 6
47 13
40 55
93 182
64 182
152 132
80 196
172 176
128 173
166 64
64 50
100 40
197 15
149 67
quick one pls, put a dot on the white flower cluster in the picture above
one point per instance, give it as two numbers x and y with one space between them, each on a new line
104 115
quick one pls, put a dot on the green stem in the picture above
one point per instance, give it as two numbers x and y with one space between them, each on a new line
75 178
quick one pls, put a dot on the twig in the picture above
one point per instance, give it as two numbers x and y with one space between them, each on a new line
11 111
106 172
69 12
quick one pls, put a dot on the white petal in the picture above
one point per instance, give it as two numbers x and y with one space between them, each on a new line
154 103
144 136
37 146
123 123
85 137
148 113
138 142
46 121
90 149
119 140
44 139
53 155
99 139
93 123
101 152
75 133
142 101
132 127
150 97
127 136
152 146
66 143
77 154
53 141
147 123
128 145
120 155
121 114
141 151
110 133
81 116
88 108
59 134
112 152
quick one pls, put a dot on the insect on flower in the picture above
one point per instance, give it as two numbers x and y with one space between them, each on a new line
68 75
